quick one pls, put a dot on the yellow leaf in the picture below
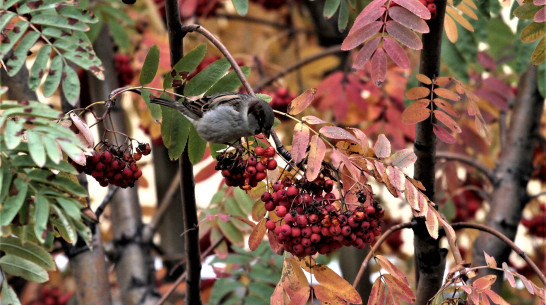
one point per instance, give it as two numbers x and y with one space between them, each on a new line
331 280
327 296
538 55
302 101
532 32
467 11
451 29
459 18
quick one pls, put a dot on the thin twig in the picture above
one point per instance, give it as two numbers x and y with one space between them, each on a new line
111 192
165 202
181 278
326 52
467 160
376 246
508 241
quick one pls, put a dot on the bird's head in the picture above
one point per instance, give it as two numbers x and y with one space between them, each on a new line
264 115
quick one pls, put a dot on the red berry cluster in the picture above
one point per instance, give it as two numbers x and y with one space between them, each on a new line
114 165
310 222
246 172
431 7
124 70
52 296
535 225
281 98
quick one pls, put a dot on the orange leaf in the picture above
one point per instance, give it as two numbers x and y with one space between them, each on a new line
442 80
277 298
399 288
337 133
327 296
446 93
411 195
416 112
306 262
331 280
423 79
257 235
459 18
309 119
382 147
417 93
497 299
432 224
484 282
375 293
449 228
300 141
445 106
451 29
258 210
447 120
385 178
392 269
274 243
317 150
491 262
301 102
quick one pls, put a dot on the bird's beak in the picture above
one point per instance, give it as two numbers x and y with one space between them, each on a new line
267 133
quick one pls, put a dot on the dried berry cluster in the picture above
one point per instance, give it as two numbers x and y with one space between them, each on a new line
246 172
311 222
52 296
124 70
115 165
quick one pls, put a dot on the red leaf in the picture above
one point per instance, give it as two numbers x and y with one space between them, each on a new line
257 235
392 269
379 66
443 135
408 19
447 120
274 243
416 112
509 275
540 16
337 133
377 287
486 61
300 141
370 13
447 94
396 52
277 298
446 106
317 150
416 7
403 158
357 37
539 2
360 135
406 36
206 172
341 157
301 102
309 119
499 86
396 178
399 289
188 7
365 53
382 147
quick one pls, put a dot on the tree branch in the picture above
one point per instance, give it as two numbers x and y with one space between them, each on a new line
506 240
447 155
376 246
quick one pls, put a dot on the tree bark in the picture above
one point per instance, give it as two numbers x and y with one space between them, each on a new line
187 182
512 174
17 85
349 257
134 264
429 257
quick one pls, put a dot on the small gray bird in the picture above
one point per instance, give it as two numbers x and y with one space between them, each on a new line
225 117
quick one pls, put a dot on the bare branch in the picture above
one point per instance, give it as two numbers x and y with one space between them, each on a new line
447 155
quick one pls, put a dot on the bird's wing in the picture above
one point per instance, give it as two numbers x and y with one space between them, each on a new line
210 102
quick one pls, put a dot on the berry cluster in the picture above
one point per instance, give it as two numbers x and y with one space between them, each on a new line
246 172
124 70
114 165
535 225
52 296
431 7
281 99
310 221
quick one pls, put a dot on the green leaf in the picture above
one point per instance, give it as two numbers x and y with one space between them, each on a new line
71 85
59 21
53 76
16 61
206 78
72 149
17 266
454 61
71 206
241 6
261 290
526 11
523 51
13 204
196 146
39 6
330 7
9 297
74 13
533 32
39 67
6 18
5 180
343 17
84 232
27 250
483 8
232 208
64 226
149 68
118 14
500 36
264 97
244 200
12 135
231 232
155 109
229 83
214 148
121 38
41 215
190 61
251 299
26 161
36 148
222 287
175 130
7 4
12 37
59 181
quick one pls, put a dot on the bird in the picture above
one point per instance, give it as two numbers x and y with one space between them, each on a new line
225 118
